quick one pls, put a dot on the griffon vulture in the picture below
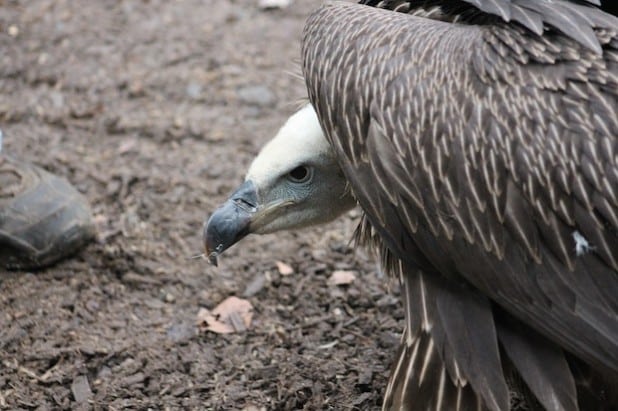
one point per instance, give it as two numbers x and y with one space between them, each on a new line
480 140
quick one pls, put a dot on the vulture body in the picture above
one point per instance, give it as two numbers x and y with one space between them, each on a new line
480 139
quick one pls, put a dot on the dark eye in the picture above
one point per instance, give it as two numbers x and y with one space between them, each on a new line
300 174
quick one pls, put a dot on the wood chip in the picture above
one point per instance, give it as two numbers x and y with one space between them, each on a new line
237 322
342 277
284 269
328 346
81 389
255 286
136 378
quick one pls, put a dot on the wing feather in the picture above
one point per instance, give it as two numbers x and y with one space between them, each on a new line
476 153
569 17
440 365
552 383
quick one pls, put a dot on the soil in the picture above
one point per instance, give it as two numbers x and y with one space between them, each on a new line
153 109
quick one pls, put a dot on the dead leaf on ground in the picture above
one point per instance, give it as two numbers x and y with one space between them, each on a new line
232 315
342 277
284 269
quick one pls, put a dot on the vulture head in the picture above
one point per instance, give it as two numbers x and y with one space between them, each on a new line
294 182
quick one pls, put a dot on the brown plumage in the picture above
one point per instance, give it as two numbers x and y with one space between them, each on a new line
480 139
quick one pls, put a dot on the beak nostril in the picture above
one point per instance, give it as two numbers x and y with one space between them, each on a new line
245 205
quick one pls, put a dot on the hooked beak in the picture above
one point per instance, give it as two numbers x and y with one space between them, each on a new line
231 221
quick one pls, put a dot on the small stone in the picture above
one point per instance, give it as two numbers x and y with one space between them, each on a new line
194 90
284 269
13 30
169 298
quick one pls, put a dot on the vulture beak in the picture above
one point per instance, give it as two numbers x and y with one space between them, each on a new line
231 221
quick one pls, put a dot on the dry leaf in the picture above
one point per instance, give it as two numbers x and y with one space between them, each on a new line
232 315
284 269
342 277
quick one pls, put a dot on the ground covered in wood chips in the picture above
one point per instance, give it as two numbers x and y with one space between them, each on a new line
153 109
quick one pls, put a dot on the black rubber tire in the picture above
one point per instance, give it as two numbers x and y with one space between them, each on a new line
46 221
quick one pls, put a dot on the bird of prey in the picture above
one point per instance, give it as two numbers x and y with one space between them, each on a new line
480 140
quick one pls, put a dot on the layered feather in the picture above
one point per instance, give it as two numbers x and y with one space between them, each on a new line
482 155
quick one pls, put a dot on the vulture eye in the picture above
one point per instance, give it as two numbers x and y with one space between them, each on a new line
300 174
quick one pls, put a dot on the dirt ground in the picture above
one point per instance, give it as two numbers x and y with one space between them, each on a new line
153 109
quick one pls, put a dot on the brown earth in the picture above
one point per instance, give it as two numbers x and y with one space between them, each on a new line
153 109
